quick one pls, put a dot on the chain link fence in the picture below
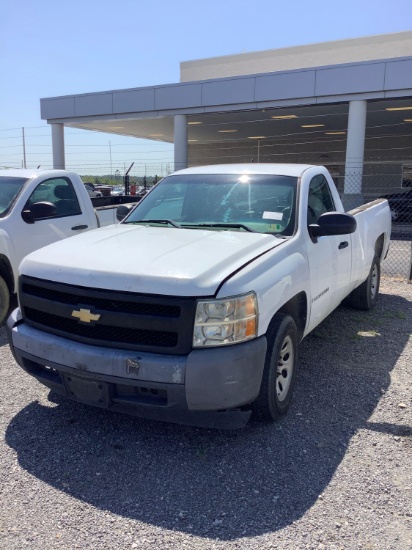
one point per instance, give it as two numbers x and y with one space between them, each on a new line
394 183
120 185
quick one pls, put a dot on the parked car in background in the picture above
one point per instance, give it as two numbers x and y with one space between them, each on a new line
92 192
105 190
39 207
401 206
90 184
118 190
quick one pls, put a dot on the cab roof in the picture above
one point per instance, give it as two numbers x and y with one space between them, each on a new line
295 170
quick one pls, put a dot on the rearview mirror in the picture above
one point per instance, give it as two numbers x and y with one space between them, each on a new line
333 223
39 211
122 211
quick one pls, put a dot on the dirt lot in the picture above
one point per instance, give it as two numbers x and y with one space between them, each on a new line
335 473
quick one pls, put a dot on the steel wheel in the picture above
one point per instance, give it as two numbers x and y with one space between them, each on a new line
279 373
285 368
374 281
366 295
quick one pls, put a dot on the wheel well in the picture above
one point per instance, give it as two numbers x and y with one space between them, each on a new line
7 273
379 246
297 308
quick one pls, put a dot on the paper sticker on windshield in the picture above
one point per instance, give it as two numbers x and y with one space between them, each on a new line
272 216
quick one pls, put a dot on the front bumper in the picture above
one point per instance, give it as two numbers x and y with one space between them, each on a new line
208 387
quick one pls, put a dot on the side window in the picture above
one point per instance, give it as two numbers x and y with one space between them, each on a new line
60 192
320 199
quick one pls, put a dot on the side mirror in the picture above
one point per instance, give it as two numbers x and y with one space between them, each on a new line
122 211
333 223
39 211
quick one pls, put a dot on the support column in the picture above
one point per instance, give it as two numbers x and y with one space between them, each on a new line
180 140
58 146
355 147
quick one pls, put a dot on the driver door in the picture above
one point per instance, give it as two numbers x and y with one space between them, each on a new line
329 257
68 219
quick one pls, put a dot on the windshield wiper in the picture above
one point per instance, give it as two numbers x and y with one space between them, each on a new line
166 222
222 224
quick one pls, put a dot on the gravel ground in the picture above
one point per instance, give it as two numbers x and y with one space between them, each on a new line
336 473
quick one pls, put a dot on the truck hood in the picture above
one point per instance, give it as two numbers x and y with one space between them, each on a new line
150 260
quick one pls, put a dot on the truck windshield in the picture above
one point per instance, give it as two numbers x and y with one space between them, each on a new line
9 189
240 202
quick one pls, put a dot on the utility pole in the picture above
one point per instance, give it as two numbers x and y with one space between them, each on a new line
24 150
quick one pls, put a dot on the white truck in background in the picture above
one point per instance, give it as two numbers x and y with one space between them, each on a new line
191 309
37 208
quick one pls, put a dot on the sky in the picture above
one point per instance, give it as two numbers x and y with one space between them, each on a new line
52 48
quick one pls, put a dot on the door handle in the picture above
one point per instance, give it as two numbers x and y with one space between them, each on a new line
344 244
79 227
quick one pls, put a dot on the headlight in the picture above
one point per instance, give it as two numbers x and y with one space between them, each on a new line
227 321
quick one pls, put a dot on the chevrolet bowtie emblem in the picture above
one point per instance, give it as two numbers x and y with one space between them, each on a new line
85 315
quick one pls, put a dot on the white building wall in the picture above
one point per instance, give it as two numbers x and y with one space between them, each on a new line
299 57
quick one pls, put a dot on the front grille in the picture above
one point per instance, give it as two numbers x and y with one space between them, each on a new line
102 303
125 320
101 332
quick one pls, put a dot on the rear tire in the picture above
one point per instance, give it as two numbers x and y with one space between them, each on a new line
366 295
279 372
4 299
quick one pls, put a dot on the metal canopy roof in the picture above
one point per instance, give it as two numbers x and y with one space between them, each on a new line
247 105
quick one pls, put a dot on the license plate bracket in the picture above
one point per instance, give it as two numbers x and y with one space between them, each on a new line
91 392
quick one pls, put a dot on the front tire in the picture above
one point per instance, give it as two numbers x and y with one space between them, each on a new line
4 299
279 372
365 295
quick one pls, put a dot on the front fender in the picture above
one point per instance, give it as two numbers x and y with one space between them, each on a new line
275 277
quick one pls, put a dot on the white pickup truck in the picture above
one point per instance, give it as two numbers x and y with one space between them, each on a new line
192 308
38 208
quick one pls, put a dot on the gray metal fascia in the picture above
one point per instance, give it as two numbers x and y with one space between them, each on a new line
398 93
63 108
348 97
